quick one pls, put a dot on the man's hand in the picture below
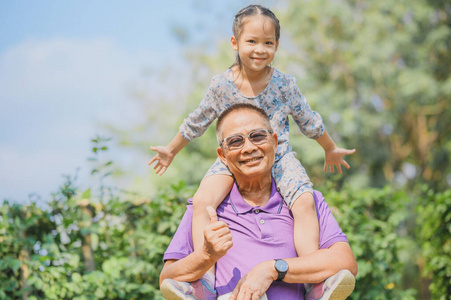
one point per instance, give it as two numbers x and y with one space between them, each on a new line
254 284
164 158
334 158
217 236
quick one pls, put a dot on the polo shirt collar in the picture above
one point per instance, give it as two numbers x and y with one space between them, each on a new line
274 205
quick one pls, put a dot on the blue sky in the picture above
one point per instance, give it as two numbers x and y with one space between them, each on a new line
65 67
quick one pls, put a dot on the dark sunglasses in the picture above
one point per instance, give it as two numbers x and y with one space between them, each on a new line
236 142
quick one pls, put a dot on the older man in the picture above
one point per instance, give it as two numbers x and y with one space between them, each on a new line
262 258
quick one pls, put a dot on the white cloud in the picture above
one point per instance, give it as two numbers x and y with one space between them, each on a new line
52 95
55 71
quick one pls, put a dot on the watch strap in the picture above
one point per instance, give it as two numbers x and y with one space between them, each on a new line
281 274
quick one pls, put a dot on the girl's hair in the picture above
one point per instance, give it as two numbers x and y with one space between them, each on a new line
252 10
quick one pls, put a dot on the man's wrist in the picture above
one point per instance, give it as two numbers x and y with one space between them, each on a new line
269 269
281 267
273 272
207 258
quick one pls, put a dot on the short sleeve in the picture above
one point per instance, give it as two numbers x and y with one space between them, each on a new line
181 244
201 118
309 122
330 232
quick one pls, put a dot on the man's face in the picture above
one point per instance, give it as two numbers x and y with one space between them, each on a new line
251 161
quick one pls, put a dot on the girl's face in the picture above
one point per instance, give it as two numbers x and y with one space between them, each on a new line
257 43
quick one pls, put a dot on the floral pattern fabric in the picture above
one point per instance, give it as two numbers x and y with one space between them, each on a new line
279 99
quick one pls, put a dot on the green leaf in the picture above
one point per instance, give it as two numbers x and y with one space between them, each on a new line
76 277
13 263
87 193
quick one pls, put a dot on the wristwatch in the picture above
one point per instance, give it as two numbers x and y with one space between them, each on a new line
281 268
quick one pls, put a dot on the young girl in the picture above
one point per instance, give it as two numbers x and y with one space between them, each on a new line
251 79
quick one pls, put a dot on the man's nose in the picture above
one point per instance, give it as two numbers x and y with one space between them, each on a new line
248 145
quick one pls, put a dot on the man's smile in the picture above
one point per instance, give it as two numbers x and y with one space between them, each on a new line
251 160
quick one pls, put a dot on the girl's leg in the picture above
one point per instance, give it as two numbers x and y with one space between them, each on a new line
215 186
212 191
295 187
306 225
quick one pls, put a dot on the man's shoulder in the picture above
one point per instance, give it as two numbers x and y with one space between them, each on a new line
320 200
318 195
225 204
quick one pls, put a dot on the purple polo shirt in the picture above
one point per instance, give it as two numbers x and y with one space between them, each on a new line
259 234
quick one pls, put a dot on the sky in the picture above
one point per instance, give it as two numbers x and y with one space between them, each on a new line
66 67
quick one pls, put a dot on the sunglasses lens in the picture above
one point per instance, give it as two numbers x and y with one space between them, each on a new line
258 137
235 142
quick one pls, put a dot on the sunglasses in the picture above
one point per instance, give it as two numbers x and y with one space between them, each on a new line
236 142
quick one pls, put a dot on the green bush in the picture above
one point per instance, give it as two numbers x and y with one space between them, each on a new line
42 256
434 232
110 247
373 221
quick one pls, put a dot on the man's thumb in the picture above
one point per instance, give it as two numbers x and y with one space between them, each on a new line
212 213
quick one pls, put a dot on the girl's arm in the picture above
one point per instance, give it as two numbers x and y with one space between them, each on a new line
311 124
194 126
167 153
333 154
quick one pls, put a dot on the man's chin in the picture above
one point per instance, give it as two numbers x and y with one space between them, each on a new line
254 171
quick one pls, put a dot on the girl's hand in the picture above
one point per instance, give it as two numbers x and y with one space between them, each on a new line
334 158
164 158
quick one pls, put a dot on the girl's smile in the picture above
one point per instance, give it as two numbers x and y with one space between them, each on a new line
256 44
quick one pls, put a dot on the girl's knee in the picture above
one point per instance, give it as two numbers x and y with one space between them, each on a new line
304 203
202 199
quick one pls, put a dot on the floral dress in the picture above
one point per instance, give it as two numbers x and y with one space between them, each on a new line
279 99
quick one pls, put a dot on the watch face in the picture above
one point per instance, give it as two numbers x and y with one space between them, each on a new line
281 265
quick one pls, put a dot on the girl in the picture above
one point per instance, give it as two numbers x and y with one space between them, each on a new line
251 79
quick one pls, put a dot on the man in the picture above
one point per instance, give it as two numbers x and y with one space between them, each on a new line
262 258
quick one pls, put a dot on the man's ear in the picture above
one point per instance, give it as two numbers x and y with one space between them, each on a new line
275 139
234 43
221 155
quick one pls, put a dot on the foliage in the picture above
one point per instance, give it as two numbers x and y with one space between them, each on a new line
378 73
435 237
127 238
373 220
88 245
81 248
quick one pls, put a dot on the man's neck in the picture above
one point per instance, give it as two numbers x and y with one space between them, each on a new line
256 193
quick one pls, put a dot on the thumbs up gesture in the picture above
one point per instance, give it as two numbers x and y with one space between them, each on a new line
217 236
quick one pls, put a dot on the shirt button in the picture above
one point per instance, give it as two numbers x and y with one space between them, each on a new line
262 221
257 211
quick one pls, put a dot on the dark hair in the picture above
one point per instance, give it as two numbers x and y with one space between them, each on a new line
252 10
238 107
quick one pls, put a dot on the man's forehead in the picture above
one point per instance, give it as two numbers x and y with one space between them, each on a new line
242 120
